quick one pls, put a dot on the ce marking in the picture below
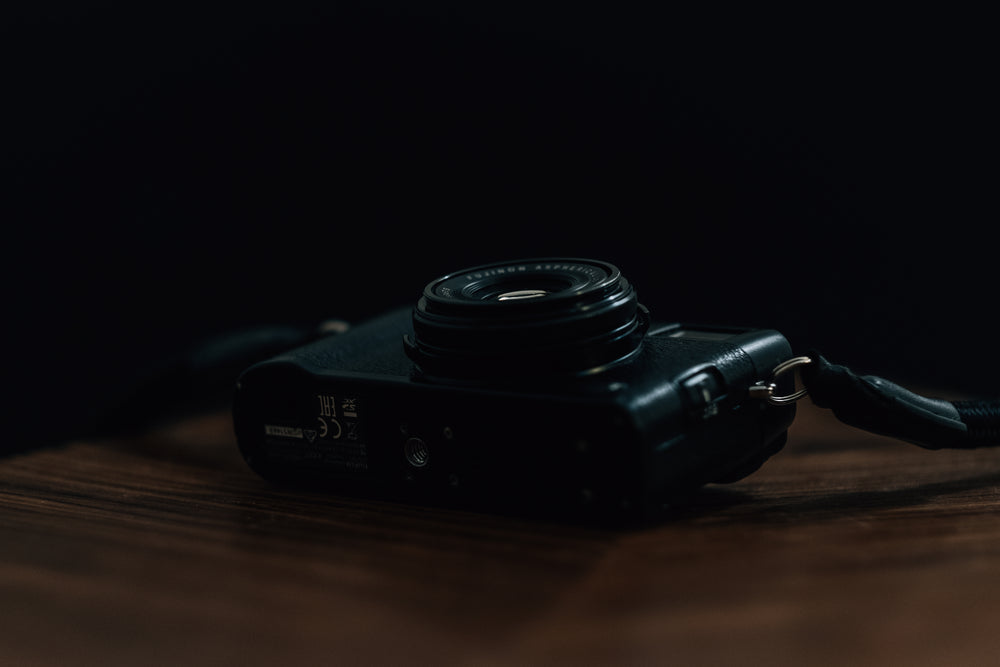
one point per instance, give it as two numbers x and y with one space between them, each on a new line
331 428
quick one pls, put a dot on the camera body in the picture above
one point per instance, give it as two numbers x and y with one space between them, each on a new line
542 413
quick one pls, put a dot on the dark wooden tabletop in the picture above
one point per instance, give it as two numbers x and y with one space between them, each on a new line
846 548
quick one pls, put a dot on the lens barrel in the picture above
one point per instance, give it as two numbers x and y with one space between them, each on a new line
526 317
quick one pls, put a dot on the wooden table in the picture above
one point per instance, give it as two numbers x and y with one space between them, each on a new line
846 549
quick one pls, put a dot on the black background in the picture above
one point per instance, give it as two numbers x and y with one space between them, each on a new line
177 172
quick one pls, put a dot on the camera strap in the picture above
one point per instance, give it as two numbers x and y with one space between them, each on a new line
874 404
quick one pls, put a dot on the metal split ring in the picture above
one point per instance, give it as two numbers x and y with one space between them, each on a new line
765 390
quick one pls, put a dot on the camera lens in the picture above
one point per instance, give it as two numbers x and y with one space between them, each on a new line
534 316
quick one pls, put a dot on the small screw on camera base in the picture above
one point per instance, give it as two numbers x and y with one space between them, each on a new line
416 452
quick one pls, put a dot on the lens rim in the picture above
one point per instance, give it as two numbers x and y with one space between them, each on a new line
575 277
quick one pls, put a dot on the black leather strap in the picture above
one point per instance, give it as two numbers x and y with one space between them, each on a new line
200 378
982 418
877 405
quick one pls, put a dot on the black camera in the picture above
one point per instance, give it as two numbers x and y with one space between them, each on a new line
537 387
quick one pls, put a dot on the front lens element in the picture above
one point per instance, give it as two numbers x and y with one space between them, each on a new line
522 294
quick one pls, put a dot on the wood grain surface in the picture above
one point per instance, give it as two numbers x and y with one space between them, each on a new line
164 549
